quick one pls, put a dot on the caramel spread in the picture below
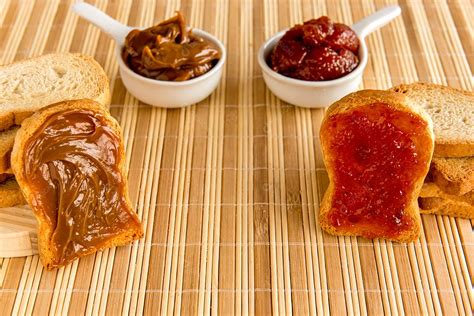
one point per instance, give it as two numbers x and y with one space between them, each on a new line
168 51
72 162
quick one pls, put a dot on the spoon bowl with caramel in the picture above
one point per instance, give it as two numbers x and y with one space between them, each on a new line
167 65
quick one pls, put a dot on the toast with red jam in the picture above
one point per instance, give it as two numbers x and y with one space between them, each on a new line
377 149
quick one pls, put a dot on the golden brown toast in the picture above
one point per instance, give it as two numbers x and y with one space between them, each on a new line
377 149
453 175
7 138
10 193
69 161
433 200
443 206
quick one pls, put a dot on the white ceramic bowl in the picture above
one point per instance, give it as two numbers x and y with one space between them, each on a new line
319 94
310 94
173 94
168 94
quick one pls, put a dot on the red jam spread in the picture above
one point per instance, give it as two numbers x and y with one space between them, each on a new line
169 52
376 154
317 50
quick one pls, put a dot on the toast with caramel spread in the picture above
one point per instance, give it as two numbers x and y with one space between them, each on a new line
69 161
377 149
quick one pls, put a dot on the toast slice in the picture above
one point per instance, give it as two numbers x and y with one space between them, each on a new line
7 138
431 189
29 85
377 148
69 161
10 193
453 175
452 112
442 206
433 200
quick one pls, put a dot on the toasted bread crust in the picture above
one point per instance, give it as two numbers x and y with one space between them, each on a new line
29 127
397 102
10 193
7 138
453 175
431 189
446 206
454 149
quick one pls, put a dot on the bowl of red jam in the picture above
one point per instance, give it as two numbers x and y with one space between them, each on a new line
315 63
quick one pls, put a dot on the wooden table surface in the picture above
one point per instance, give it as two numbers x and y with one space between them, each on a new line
229 189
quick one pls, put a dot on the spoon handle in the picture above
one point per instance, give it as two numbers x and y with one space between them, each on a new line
376 20
110 26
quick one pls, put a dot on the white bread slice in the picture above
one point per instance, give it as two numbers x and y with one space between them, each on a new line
401 116
453 175
113 166
452 112
27 86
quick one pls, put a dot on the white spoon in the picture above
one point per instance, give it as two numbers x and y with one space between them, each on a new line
375 21
107 24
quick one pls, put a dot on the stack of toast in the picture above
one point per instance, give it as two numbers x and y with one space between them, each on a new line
62 153
30 85
448 187
391 155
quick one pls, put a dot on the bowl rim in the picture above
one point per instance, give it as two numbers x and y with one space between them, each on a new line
271 42
203 77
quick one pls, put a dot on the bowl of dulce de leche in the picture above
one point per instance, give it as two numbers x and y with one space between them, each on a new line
169 64
315 63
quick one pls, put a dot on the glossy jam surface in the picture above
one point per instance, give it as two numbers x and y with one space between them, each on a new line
376 155
71 165
169 52
317 50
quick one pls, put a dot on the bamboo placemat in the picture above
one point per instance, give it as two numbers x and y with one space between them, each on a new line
229 189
